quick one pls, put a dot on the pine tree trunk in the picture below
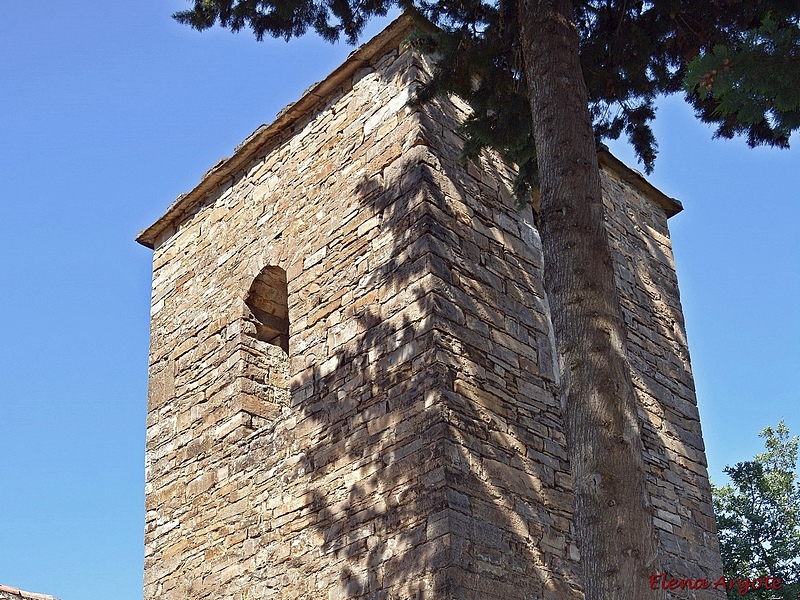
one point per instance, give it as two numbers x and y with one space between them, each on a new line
613 517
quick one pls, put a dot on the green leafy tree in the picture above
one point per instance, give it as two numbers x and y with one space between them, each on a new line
547 79
758 517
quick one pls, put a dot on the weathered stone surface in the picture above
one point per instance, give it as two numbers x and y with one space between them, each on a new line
12 593
409 444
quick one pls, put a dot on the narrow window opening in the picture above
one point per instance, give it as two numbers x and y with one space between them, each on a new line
268 301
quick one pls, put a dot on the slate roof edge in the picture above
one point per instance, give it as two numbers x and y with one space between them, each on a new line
631 176
363 56
18 593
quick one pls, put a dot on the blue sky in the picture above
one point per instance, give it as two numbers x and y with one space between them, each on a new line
109 110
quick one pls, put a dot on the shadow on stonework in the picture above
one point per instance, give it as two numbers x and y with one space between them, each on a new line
656 350
425 456
659 357
422 453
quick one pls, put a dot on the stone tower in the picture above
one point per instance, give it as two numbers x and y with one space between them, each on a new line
352 367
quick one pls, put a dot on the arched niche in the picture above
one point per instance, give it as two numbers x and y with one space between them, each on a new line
268 301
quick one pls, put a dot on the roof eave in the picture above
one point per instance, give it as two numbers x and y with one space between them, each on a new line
632 177
363 56
226 168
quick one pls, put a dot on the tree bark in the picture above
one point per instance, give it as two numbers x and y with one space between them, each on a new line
613 515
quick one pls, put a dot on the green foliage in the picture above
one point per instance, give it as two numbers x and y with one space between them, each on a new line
758 517
480 60
286 18
749 86
484 70
741 57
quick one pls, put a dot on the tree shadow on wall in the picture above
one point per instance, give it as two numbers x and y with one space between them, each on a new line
658 354
424 456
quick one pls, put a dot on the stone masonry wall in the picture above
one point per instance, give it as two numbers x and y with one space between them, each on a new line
509 475
674 452
387 472
281 499
657 349
409 444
